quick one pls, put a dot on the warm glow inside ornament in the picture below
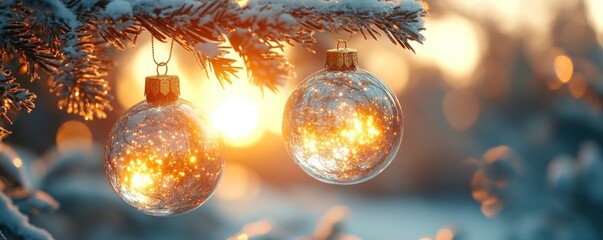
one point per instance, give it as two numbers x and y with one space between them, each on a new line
163 156
342 125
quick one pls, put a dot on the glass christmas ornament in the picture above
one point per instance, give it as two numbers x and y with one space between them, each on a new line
163 157
342 125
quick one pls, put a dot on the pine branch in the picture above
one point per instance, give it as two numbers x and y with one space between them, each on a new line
115 28
19 41
222 67
195 26
267 67
14 98
400 22
61 37
80 84
266 23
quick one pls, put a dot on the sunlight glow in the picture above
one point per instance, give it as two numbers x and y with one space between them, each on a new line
241 111
246 112
236 118
272 107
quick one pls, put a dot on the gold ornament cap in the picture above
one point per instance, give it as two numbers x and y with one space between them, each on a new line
162 89
344 59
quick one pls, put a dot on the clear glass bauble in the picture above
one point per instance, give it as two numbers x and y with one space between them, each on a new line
342 127
164 159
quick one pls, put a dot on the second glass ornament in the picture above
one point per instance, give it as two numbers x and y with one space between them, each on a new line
342 125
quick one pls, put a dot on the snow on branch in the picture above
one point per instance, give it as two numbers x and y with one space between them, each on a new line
67 38
401 22
19 41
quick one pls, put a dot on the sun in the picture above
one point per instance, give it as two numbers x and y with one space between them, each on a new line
237 119
240 111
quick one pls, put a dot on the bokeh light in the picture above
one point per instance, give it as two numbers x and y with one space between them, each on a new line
257 228
506 12
594 13
242 2
461 108
242 236
445 234
455 45
13 168
238 183
490 206
578 86
17 162
389 65
72 135
511 16
332 216
554 85
564 68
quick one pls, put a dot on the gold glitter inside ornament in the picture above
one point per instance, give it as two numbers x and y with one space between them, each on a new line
342 125
163 156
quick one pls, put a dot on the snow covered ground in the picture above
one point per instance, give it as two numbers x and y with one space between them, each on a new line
362 216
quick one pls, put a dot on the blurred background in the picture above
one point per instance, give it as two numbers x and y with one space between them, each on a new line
503 132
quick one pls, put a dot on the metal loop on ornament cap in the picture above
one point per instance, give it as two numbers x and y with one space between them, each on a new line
339 59
345 44
164 88
162 64
343 40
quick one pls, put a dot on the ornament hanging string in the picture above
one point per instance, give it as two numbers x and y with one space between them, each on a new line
161 64
342 40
